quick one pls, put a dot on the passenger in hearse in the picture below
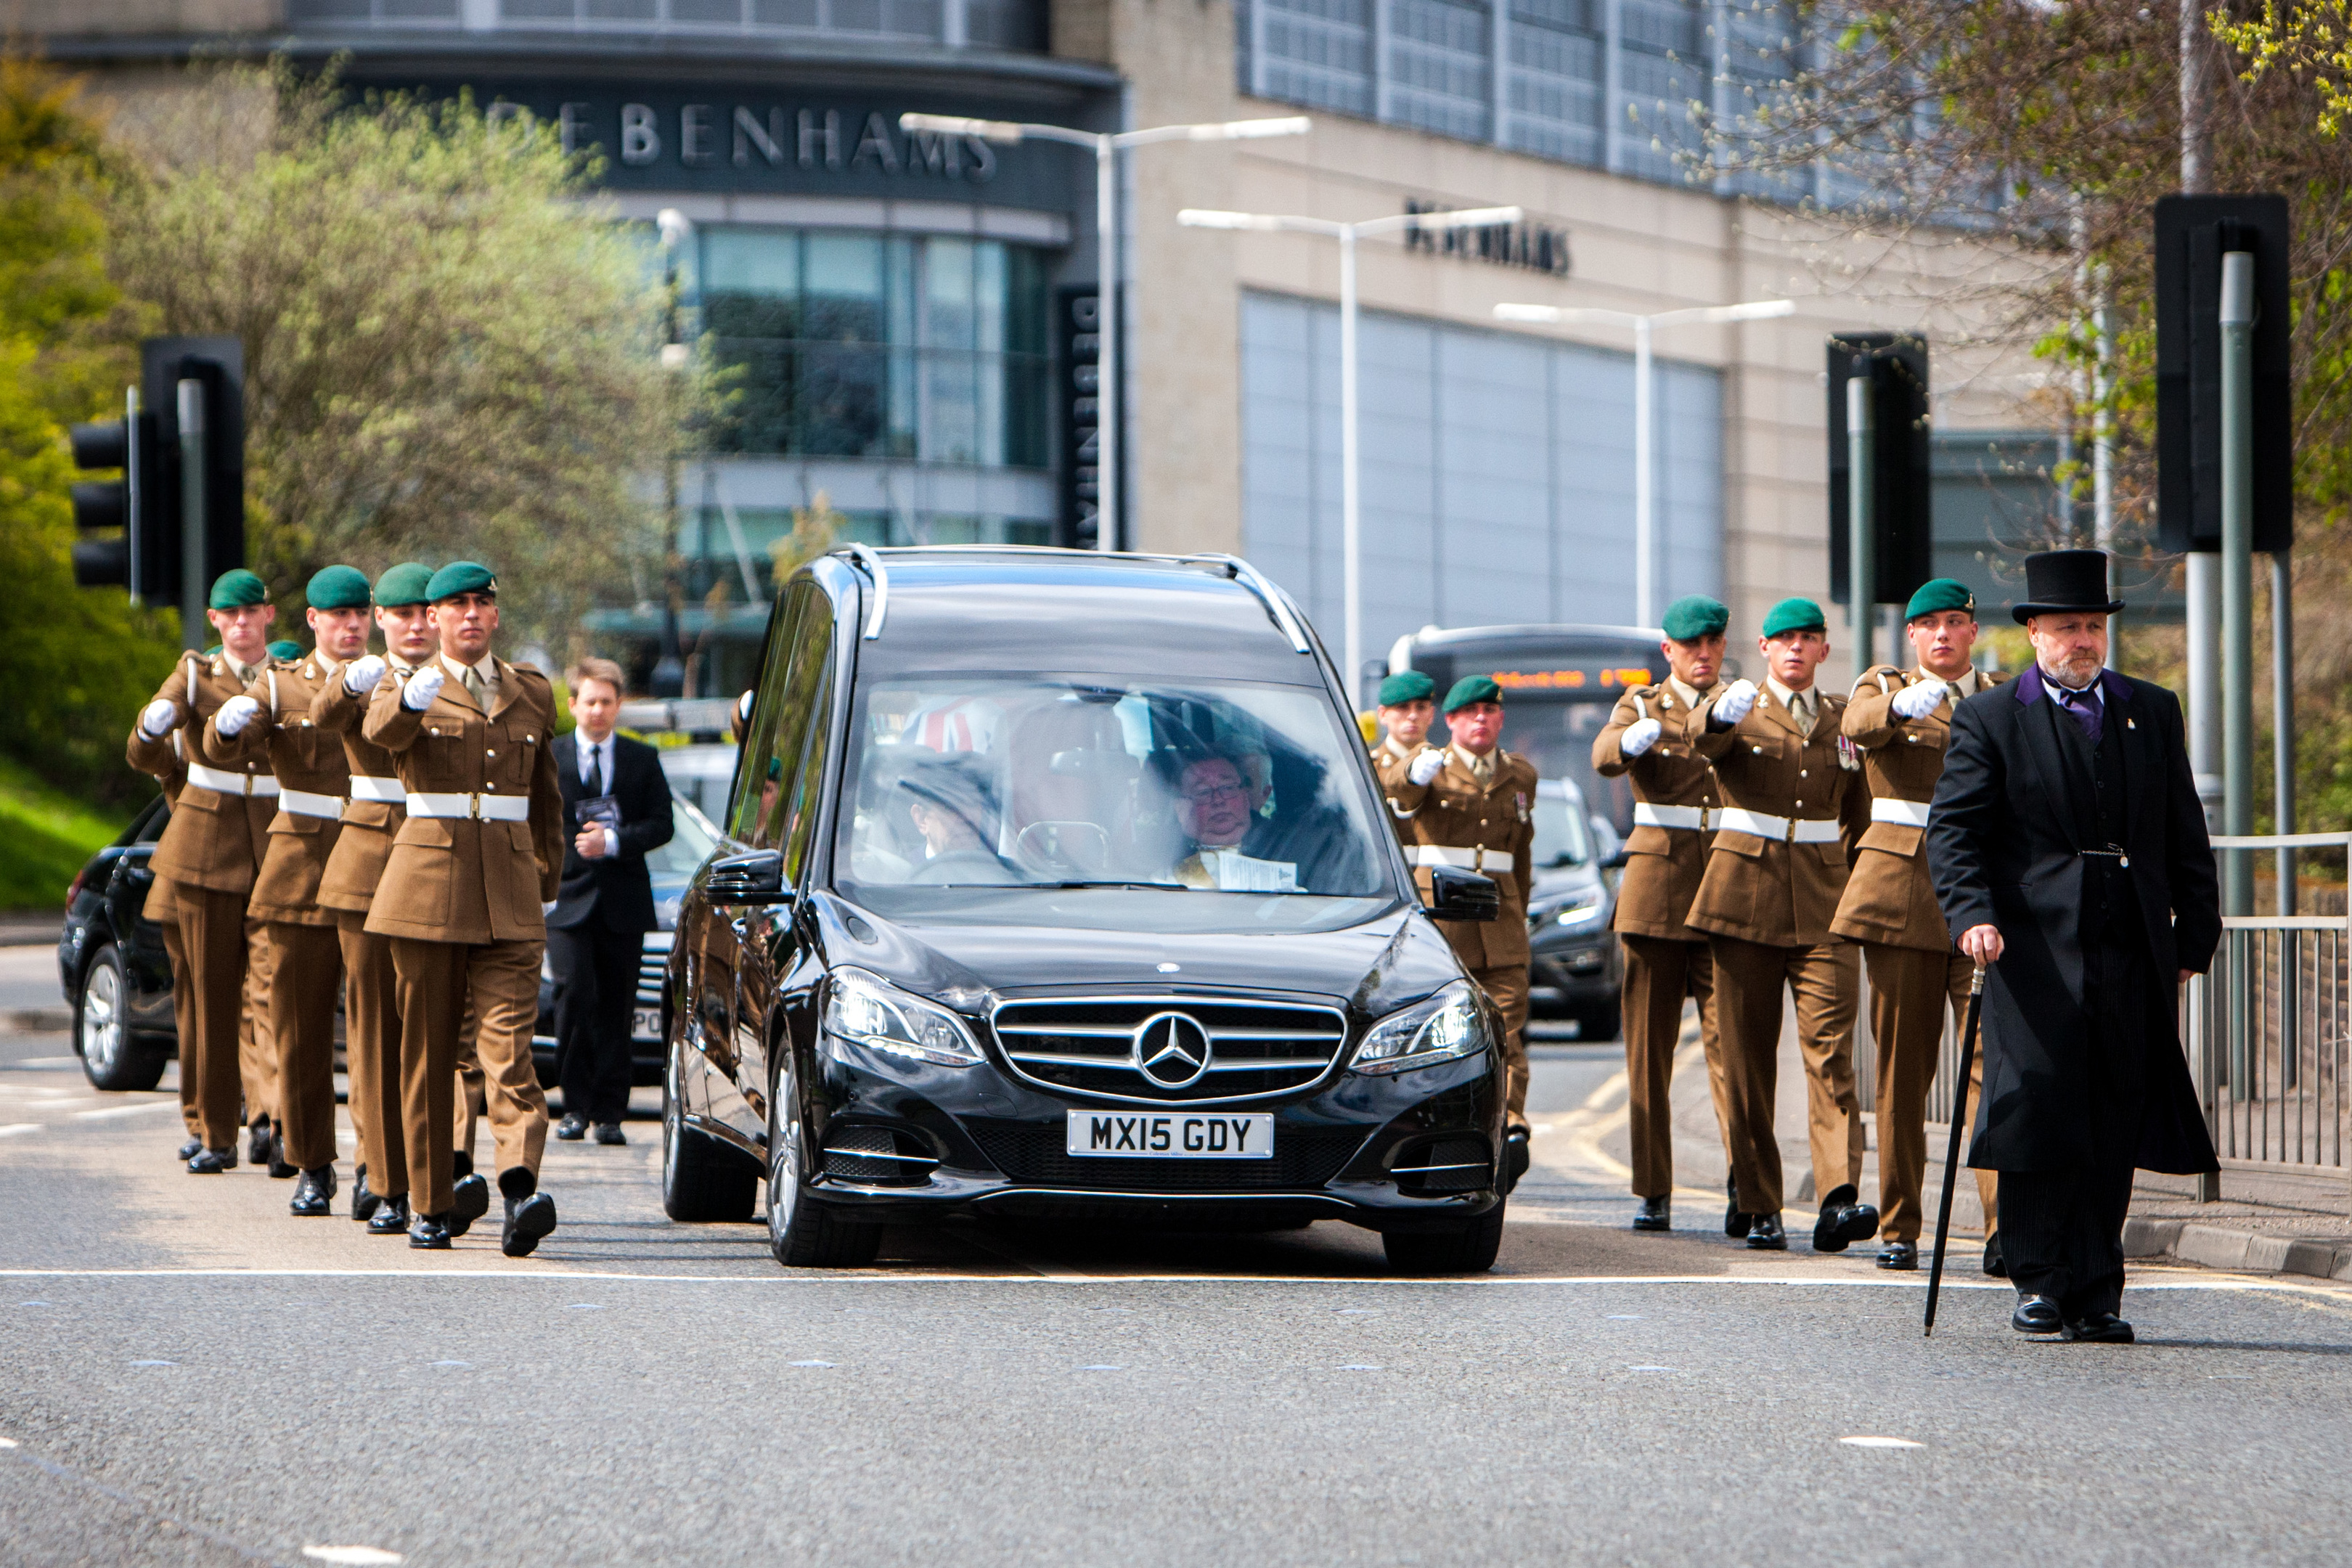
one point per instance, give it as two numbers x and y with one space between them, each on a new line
954 809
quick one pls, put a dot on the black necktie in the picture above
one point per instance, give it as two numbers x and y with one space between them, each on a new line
595 771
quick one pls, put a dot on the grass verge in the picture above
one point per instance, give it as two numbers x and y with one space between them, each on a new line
44 838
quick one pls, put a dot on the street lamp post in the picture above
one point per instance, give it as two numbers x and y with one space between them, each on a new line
1350 485
669 678
1644 502
1105 146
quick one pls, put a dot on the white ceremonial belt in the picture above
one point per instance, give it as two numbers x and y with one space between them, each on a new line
480 807
232 784
302 802
1763 824
1909 813
366 787
1693 818
1465 860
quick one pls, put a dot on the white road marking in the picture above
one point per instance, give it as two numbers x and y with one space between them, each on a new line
154 1364
1882 1443
8 1442
15 1127
46 1062
1359 1366
808 1364
354 1555
127 1109
1102 1369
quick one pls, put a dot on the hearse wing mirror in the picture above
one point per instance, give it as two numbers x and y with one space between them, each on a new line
1458 895
757 878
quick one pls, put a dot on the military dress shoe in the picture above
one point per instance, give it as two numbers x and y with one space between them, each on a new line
2097 1329
528 1222
1736 1222
314 1194
392 1218
364 1201
572 1128
2037 1315
190 1149
280 1167
256 1142
1843 1220
1654 1213
469 1201
212 1162
1995 1265
1765 1235
609 1134
1902 1255
428 1232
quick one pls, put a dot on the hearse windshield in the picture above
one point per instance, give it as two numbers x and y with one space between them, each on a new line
1009 783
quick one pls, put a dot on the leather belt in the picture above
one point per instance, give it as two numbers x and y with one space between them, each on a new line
366 787
302 802
1473 859
1692 817
1909 813
222 783
1763 824
480 807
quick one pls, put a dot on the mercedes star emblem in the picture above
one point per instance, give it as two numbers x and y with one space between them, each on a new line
1172 1050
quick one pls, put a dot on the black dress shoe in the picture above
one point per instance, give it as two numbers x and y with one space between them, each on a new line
529 1221
190 1149
1765 1235
469 1201
1654 1213
572 1128
314 1194
426 1232
1516 1157
1735 1222
1904 1255
256 1142
1994 1264
212 1162
391 1219
2036 1315
2097 1329
1843 1220
363 1202
281 1166
609 1134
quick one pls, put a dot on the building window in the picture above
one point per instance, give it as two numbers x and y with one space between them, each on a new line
929 350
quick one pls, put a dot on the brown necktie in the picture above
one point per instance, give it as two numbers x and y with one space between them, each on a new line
474 689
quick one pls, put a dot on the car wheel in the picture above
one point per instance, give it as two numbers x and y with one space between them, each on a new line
1599 1021
703 1181
801 1233
1470 1249
111 1055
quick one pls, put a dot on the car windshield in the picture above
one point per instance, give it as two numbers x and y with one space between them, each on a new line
1562 835
1036 781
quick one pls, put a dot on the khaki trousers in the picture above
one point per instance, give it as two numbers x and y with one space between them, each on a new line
1659 974
1827 983
257 1042
1911 991
1508 984
208 988
307 968
436 980
372 1052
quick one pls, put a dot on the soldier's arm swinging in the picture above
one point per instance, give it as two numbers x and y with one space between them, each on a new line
390 722
1870 718
154 755
1608 760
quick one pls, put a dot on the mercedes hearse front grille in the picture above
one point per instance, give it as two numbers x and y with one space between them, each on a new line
1170 1049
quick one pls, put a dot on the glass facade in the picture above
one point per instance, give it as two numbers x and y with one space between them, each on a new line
1015 24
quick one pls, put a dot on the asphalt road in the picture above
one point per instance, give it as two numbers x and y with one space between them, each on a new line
188 1375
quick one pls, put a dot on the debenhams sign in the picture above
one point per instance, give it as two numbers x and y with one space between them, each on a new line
766 140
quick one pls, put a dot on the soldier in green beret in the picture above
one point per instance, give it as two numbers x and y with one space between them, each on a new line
1471 805
1408 706
1665 960
1902 721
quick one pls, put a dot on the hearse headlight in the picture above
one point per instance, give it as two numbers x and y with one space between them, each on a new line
1447 1027
870 1011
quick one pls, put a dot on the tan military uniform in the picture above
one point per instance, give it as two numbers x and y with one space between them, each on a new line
1916 974
312 777
1665 960
1793 806
461 898
1486 827
204 867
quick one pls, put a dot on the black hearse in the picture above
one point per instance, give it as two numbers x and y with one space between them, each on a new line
1057 886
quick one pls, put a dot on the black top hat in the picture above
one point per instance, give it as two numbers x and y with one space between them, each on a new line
2060 580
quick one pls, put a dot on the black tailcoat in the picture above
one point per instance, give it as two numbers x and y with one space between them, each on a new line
615 892
2004 836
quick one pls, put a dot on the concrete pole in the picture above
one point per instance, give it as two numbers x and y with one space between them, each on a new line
1860 569
1107 405
196 571
1351 523
1645 539
2282 718
2237 575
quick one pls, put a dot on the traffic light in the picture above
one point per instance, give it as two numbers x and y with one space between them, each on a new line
146 558
1902 508
2192 235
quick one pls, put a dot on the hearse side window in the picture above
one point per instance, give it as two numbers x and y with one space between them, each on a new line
789 694
808 787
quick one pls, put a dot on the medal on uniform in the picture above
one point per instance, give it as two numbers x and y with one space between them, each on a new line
1521 797
1846 758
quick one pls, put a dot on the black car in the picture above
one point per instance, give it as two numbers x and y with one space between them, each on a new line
1057 886
111 965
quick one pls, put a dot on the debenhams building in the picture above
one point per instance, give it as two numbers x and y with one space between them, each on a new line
914 312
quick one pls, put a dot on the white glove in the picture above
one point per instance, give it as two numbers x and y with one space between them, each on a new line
363 675
1640 736
159 720
236 714
423 688
1425 766
1735 703
1919 701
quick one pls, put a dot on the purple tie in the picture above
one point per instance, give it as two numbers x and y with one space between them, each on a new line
2081 707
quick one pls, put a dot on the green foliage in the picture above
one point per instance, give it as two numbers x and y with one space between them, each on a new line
45 839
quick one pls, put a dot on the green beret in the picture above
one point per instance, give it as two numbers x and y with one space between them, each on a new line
1794 616
338 588
1473 689
285 647
405 584
1938 594
1407 685
1695 616
235 590
460 577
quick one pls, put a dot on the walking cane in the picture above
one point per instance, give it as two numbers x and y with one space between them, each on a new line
1952 1152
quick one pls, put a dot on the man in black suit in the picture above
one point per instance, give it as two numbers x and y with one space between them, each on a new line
616 801
2069 853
